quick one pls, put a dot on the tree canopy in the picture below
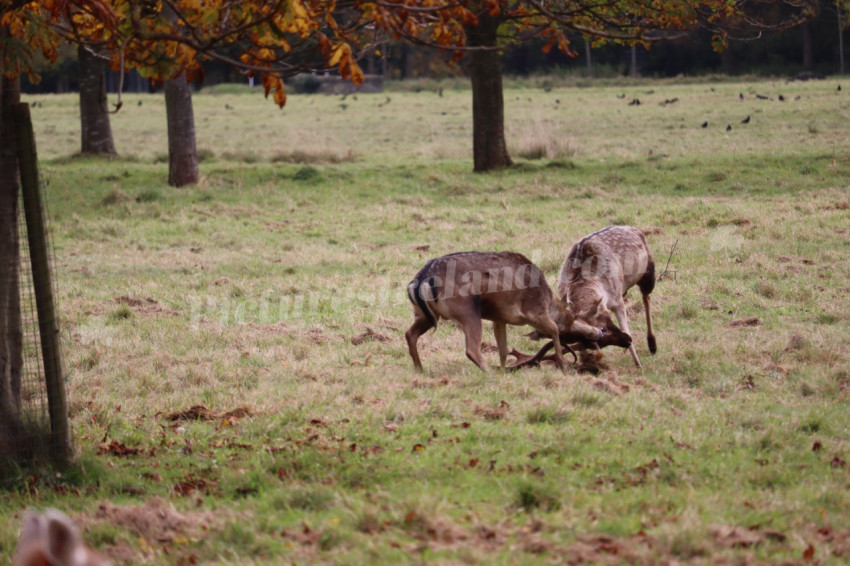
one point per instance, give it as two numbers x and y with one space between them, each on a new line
163 39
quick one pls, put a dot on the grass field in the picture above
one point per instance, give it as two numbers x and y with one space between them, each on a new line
273 295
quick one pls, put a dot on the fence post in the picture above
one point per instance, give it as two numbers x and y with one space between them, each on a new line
57 405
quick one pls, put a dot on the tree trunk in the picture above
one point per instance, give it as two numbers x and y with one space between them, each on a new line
182 152
587 58
94 115
633 64
489 149
12 441
840 39
806 28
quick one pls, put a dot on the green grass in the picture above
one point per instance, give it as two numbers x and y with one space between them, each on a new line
277 284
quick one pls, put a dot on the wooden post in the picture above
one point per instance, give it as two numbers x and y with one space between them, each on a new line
57 405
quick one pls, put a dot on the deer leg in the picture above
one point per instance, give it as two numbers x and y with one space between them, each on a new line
472 333
623 320
420 326
650 337
551 329
500 329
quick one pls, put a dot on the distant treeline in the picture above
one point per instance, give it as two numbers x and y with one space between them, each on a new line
812 46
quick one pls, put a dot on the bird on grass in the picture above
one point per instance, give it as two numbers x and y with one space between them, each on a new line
746 120
728 127
705 124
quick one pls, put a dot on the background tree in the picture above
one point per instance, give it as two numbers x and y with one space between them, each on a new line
484 27
95 128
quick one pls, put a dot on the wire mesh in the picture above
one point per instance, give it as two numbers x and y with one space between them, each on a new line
25 421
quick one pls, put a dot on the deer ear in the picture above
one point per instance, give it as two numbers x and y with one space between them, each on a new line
62 537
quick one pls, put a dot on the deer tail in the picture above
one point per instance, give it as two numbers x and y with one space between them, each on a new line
415 292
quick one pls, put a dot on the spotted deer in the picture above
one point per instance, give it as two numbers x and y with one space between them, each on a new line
598 271
52 539
503 287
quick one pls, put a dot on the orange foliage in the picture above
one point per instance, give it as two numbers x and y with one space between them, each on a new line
272 34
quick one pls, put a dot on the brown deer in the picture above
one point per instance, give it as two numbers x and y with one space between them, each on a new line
52 539
503 287
598 271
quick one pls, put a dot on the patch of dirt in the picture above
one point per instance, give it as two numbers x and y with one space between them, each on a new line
838 540
649 231
144 306
202 413
319 336
740 537
487 347
370 336
492 413
156 520
606 549
610 384
745 322
795 259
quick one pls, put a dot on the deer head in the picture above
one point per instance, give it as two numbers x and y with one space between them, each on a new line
52 539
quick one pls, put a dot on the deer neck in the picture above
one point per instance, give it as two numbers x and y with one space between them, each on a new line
584 294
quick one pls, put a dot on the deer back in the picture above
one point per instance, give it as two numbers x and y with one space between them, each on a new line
611 260
503 286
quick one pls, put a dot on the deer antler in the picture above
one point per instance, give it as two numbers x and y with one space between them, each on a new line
524 360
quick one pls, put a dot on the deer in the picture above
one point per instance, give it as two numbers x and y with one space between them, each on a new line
503 287
596 274
52 539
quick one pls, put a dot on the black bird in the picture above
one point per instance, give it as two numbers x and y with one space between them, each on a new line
635 102
781 98
140 103
705 124
728 127
761 97
741 96
839 88
557 101
746 120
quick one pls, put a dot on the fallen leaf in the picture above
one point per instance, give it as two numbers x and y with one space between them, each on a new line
809 553
117 449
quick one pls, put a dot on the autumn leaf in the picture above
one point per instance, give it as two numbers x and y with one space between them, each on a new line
809 553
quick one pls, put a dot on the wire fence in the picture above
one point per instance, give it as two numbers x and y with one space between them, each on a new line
33 410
